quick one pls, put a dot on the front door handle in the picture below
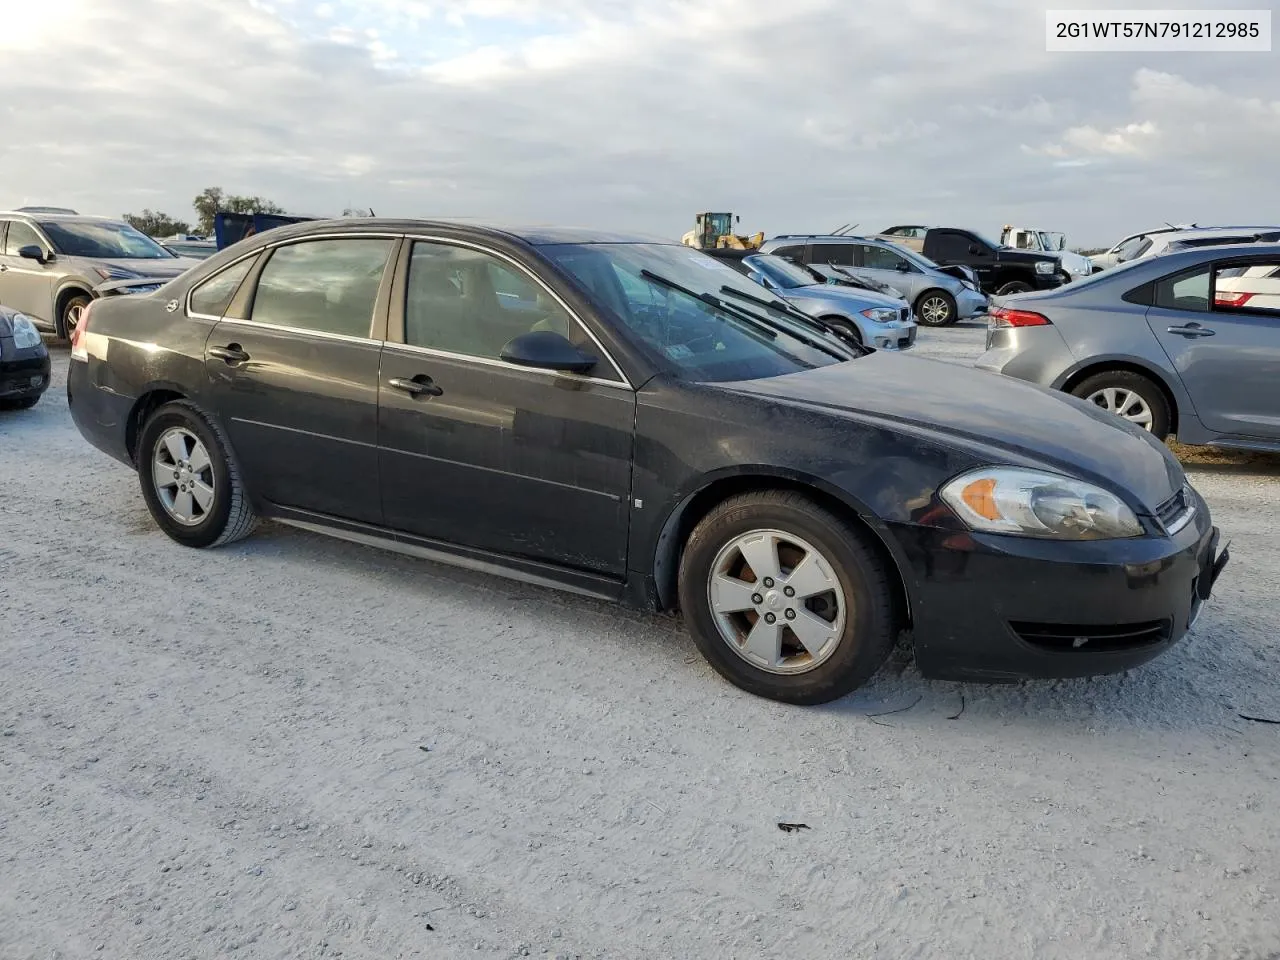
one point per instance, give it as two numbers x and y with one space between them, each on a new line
1192 330
231 353
419 386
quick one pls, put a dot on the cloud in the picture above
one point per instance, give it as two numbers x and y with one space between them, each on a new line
796 115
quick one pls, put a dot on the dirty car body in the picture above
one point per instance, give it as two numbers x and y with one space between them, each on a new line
592 480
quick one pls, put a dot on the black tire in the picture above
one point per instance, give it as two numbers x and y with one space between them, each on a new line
940 320
870 621
230 515
26 403
73 304
844 327
1144 387
1013 286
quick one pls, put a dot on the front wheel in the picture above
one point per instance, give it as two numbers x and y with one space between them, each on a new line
1128 395
1013 286
936 308
72 312
189 479
785 599
26 403
844 328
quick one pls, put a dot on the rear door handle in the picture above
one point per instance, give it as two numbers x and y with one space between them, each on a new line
419 386
1192 330
231 353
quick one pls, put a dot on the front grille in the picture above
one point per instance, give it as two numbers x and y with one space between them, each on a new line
1092 637
1176 512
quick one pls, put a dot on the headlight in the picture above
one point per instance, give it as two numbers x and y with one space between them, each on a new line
115 273
1029 503
25 334
881 314
1045 266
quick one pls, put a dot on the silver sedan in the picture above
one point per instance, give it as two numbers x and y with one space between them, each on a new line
1185 344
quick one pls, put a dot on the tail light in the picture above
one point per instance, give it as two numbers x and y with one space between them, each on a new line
1006 317
79 349
1230 299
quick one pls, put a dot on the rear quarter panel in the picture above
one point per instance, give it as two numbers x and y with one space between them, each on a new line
135 346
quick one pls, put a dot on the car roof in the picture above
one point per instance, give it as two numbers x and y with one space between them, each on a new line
1224 251
56 217
825 237
534 235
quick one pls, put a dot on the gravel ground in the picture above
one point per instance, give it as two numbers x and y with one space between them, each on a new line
296 747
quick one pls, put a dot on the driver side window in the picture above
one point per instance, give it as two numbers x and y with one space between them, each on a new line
465 301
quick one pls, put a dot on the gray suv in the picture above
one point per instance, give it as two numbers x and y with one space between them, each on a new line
938 296
50 263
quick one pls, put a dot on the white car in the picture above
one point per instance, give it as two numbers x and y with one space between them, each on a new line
1253 287
1158 242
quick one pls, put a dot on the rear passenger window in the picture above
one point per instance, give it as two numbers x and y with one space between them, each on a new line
1251 287
327 286
1186 291
212 297
840 254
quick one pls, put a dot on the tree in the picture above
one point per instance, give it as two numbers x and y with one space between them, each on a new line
211 200
156 224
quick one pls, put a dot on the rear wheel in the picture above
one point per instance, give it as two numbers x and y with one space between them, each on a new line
1128 395
936 308
189 479
785 599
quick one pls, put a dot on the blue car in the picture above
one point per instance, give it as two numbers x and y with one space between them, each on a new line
876 320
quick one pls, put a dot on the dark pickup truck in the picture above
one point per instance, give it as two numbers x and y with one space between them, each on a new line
1000 269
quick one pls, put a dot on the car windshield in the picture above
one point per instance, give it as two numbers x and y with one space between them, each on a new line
102 240
919 259
784 273
672 301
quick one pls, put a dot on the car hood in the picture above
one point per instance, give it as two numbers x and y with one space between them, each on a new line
996 419
165 269
1010 255
849 298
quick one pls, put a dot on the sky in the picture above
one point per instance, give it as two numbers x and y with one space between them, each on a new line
798 115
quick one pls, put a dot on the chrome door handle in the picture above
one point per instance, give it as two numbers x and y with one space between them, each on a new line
1192 330
231 353
421 385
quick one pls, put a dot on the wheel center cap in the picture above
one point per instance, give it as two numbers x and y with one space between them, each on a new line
773 600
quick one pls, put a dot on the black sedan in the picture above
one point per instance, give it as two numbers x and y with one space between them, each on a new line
633 420
24 361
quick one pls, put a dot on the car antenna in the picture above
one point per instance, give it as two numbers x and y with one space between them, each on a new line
837 231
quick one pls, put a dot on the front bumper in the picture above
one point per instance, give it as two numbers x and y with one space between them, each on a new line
970 303
24 373
889 336
990 607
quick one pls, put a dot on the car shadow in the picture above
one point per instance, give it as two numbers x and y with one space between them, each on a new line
1204 681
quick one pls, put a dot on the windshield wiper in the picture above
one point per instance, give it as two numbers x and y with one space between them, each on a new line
754 322
790 311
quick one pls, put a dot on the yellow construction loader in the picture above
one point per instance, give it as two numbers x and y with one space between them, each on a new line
714 231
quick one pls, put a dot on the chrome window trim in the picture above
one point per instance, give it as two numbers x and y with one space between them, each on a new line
504 365
323 334
498 254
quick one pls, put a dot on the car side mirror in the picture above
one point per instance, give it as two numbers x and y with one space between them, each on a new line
974 249
31 252
903 266
546 350
757 277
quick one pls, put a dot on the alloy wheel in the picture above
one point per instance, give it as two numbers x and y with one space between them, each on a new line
183 476
1123 403
777 602
935 310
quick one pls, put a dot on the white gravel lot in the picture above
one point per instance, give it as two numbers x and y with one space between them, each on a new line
295 747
